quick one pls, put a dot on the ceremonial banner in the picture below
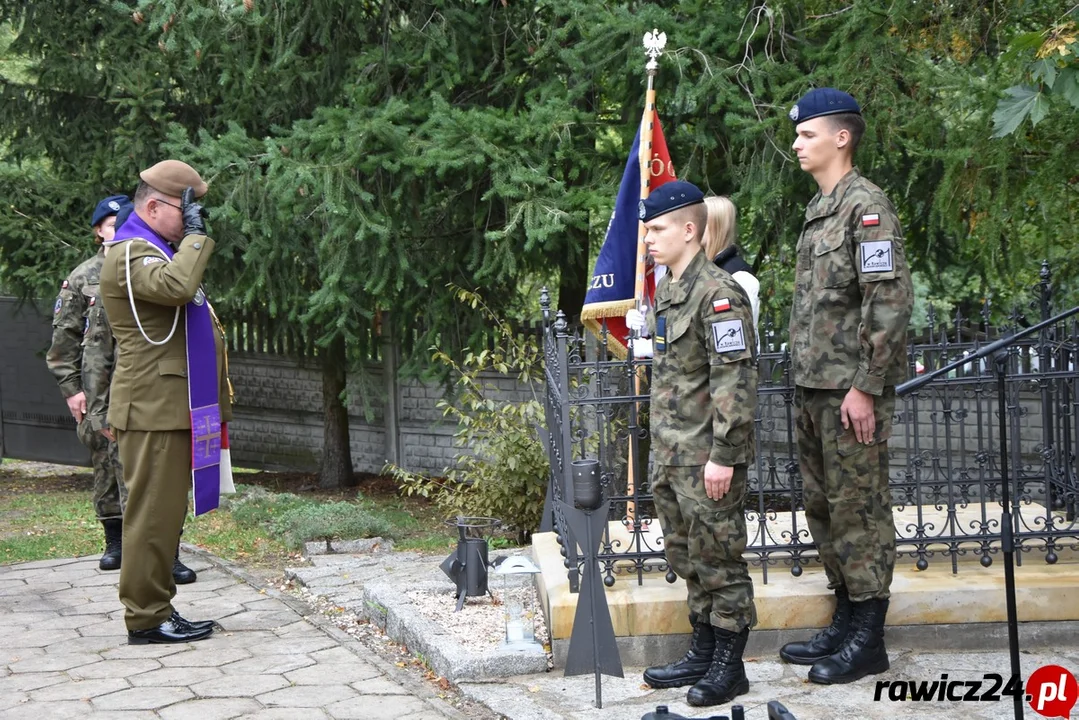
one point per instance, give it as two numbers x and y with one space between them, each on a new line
612 288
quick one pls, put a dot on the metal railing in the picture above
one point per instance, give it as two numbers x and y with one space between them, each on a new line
945 476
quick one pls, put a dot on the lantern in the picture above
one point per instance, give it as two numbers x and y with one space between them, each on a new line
519 608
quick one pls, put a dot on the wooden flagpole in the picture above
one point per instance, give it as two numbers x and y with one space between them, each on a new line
654 42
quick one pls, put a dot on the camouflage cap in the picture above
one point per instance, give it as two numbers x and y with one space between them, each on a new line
172 177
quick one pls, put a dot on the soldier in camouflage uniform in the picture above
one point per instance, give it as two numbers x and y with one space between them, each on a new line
77 315
704 399
852 302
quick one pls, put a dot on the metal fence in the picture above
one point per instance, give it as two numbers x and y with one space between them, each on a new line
944 451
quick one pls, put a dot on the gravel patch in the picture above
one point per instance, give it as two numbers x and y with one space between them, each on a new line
409 597
481 623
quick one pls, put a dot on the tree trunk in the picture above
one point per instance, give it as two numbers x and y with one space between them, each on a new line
573 280
336 468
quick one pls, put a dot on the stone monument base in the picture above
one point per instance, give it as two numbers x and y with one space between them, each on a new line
931 609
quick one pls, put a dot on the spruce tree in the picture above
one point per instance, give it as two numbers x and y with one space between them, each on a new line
363 155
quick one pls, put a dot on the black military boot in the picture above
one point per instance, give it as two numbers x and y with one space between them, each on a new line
726 677
114 535
862 652
693 665
182 574
827 641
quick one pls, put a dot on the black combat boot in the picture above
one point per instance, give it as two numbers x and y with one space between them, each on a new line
182 574
726 677
693 665
827 641
862 652
114 535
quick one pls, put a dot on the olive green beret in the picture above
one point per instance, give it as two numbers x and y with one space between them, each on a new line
172 177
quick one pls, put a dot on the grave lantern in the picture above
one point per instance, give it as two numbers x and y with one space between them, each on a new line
519 607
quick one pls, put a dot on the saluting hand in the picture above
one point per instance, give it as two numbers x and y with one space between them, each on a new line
194 214
857 410
717 480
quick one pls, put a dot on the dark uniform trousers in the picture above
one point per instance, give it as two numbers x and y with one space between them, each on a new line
847 498
158 478
704 540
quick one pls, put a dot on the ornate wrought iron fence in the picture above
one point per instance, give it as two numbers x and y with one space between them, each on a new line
944 450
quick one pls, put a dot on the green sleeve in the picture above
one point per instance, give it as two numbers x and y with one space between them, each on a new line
153 279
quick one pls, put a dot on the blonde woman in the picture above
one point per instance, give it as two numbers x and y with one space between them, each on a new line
718 243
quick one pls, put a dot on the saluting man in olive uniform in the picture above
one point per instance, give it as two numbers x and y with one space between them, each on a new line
98 361
848 331
167 350
704 400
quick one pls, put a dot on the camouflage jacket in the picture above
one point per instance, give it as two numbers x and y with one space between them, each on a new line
852 292
69 318
98 360
704 370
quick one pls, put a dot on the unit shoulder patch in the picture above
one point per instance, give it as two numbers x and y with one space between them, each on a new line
876 256
151 259
728 336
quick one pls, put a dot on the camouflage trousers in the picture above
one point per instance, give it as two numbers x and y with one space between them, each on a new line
847 499
110 494
703 540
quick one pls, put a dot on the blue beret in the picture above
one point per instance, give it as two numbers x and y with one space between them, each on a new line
669 196
121 217
112 205
823 101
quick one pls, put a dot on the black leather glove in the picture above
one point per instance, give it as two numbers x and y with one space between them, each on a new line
194 214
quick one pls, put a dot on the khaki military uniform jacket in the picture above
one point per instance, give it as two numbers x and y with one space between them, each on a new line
69 324
704 369
149 384
852 294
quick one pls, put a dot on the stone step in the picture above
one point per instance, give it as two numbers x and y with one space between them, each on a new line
655 610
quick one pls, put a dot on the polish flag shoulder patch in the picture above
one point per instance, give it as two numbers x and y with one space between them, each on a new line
871 220
721 305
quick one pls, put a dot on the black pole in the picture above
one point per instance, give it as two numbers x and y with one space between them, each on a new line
589 557
1007 537
999 351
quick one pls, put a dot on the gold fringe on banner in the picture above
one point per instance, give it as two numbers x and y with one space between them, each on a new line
594 312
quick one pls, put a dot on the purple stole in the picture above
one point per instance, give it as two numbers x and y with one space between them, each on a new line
202 380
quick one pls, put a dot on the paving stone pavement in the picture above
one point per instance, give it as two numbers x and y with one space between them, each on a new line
552 696
64 654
